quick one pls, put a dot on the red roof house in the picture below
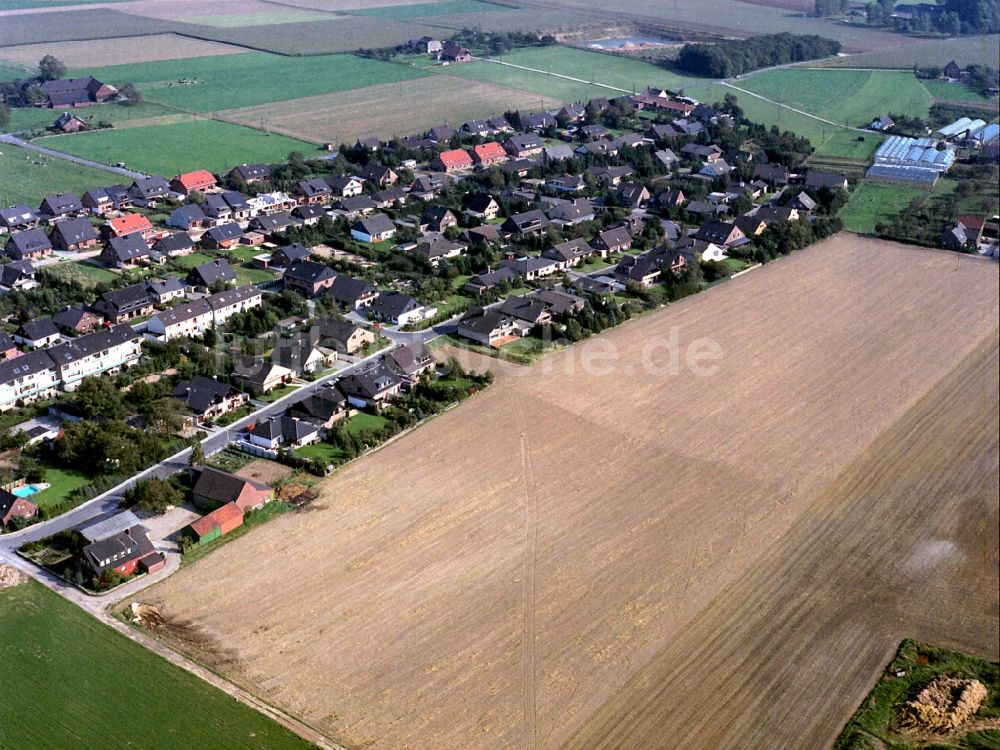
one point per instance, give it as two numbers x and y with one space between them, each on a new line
487 154
215 488
450 161
189 182
130 224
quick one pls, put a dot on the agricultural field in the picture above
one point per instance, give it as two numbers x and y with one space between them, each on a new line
47 27
389 109
443 8
130 50
44 639
27 176
178 147
848 97
958 92
509 611
872 202
250 79
37 119
966 50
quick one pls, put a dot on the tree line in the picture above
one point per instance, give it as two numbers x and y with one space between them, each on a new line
733 58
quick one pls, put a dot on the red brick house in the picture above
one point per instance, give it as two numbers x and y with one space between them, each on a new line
12 506
201 180
452 161
488 154
215 488
123 226
121 552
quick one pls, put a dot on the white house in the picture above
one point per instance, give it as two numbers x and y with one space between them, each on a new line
193 318
108 350
23 379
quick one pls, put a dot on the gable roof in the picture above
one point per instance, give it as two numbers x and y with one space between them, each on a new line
223 487
28 241
209 273
196 180
309 271
201 392
374 224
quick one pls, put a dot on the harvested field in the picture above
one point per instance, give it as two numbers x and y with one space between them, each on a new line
188 10
90 22
118 51
499 576
388 109
983 50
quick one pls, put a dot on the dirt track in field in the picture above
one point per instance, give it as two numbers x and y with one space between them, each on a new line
387 109
575 541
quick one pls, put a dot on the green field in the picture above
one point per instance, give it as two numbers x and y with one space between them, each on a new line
81 684
958 92
419 10
171 149
230 81
848 97
873 202
27 177
24 119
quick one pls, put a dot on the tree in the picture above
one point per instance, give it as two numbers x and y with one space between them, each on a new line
129 94
49 68
98 397
197 455
4 115
155 495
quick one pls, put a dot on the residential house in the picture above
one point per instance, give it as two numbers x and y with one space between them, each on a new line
485 282
272 224
344 186
570 253
250 174
18 218
818 179
435 248
597 148
399 309
206 399
194 317
429 186
955 237
560 303
222 237
802 201
773 174
662 132
149 192
37 334
225 208
410 361
351 293
12 506
198 181
531 268
594 132
107 350
633 194
174 245
301 357
490 327
566 183
125 252
284 257
218 523
308 215
773 214
611 176
314 191
76 320
124 552
356 206
531 311
213 273
24 379
571 112
518 167
667 157
165 290
324 407
523 146
483 206
723 233
437 219
308 277
611 241
669 198
525 224
119 305
715 169
258 375
557 152
751 226
374 228
488 154
368 144
283 432
214 488
701 249
647 268
441 133
373 386
344 336
394 196
123 226
452 160
570 213
30 244
17 275
537 121
186 217
379 175
104 200
60 206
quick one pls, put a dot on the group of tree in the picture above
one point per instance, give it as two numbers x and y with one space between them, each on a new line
952 17
732 58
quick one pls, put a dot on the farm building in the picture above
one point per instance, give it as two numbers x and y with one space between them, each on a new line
215 488
218 523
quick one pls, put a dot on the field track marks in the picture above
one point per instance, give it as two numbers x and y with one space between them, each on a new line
792 109
556 75
530 550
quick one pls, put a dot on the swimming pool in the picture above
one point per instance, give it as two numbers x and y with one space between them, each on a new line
27 490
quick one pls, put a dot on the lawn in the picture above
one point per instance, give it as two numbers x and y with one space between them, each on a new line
849 97
230 81
250 275
321 451
873 202
82 684
82 273
27 176
916 664
187 262
365 421
63 482
278 393
180 147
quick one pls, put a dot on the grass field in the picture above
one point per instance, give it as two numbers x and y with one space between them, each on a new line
388 109
958 92
36 119
848 97
506 611
131 50
96 688
27 177
872 202
171 149
226 82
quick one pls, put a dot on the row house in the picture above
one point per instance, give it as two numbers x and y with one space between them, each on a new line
26 378
108 350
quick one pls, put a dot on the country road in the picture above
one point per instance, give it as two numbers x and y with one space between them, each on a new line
13 140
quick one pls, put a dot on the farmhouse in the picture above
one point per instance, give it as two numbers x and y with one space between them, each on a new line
77 92
214 488
69 123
